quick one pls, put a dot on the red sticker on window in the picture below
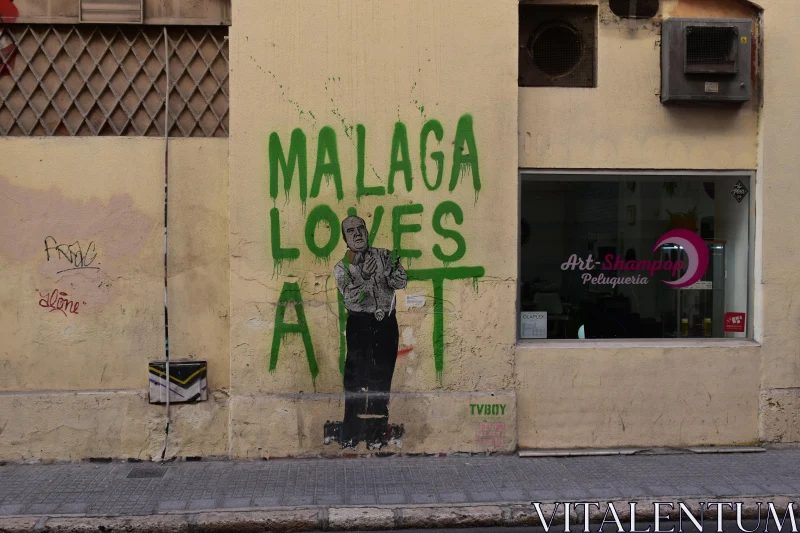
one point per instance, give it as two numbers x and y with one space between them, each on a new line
734 322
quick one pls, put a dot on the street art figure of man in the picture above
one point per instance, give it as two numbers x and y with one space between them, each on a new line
367 278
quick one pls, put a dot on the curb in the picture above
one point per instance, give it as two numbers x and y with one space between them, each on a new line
301 519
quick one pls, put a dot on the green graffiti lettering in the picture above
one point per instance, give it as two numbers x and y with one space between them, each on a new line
480 408
326 149
322 214
435 127
398 229
279 254
443 209
361 189
290 295
472 408
465 163
437 276
297 158
400 144
376 221
502 409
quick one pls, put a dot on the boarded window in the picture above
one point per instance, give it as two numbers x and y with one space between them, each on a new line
111 80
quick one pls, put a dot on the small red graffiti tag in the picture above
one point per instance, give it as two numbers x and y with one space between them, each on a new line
404 351
58 301
8 48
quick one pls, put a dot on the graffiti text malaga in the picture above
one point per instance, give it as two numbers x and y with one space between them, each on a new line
295 162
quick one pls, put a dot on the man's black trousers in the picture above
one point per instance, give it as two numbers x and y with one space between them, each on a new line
368 369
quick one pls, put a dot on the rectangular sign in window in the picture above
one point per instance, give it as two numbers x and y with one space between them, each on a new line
634 256
534 325
734 322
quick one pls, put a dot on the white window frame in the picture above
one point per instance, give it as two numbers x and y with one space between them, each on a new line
603 175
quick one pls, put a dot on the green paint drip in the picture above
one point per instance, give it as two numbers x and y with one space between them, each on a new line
361 188
290 295
279 254
297 159
475 284
437 276
322 215
465 163
398 228
327 149
438 328
435 127
443 210
400 160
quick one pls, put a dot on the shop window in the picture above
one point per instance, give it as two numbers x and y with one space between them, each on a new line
635 256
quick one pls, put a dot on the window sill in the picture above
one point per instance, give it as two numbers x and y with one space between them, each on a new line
637 343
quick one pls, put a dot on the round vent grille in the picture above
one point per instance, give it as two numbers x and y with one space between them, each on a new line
556 48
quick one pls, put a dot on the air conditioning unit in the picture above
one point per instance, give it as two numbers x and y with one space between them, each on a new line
112 11
706 60
557 45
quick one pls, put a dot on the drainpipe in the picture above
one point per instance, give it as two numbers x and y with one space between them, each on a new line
166 197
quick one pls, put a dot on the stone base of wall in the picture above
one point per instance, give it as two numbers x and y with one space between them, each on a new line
433 422
779 419
115 424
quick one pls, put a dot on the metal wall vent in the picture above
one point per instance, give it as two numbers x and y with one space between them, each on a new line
706 60
712 49
112 11
146 472
557 46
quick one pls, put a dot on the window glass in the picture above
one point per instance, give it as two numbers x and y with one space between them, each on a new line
606 256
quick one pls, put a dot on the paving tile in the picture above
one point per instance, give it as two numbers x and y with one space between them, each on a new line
8 510
272 501
236 503
453 497
362 499
172 505
423 498
41 508
485 497
73 508
210 503
390 499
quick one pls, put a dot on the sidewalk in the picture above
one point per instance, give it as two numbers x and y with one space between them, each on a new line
372 493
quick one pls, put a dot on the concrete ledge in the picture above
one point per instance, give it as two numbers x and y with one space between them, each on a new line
359 518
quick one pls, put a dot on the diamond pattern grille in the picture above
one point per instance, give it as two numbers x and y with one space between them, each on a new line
91 80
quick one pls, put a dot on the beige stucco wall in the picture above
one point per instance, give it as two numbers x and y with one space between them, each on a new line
74 385
662 394
621 123
299 64
776 272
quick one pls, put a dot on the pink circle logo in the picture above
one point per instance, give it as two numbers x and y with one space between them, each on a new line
696 252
